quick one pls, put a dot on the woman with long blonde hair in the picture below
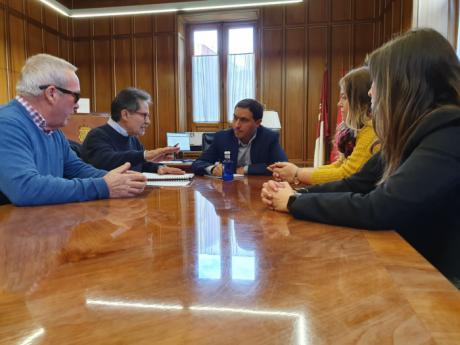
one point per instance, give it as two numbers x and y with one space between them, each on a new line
356 107
413 185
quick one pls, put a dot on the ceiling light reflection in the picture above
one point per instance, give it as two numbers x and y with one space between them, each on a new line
29 340
56 6
137 305
250 4
159 8
120 13
299 317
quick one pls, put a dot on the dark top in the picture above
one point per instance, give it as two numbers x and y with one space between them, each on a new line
107 149
265 150
421 200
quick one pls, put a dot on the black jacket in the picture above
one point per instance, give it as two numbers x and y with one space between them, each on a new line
421 200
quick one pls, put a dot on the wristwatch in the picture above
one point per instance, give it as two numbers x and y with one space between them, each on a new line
292 198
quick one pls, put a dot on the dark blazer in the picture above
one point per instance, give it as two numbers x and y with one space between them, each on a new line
265 150
420 200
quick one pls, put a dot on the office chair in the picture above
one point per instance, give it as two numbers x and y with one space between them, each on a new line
206 140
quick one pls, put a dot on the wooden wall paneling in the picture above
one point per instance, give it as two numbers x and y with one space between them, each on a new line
396 17
122 25
165 87
143 24
64 26
64 49
293 123
363 42
318 11
81 28
341 48
123 63
101 26
144 79
17 5
181 82
341 10
102 76
51 44
366 9
165 23
387 24
296 14
82 60
407 8
35 44
272 70
51 18
5 95
17 46
34 10
273 16
317 59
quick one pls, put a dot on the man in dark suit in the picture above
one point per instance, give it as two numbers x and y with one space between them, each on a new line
252 147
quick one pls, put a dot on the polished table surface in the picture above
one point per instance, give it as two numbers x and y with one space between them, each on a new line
208 264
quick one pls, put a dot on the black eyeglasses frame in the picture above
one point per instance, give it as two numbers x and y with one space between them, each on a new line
76 95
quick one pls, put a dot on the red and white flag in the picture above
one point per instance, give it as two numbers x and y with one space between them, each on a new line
322 127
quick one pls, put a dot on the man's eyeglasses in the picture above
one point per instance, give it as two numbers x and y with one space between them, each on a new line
145 115
76 95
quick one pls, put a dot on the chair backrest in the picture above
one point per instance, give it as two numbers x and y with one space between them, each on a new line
206 140
80 124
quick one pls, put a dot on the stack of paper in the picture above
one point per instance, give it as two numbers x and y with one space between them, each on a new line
168 180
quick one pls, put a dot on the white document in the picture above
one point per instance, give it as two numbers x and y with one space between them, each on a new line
178 183
167 177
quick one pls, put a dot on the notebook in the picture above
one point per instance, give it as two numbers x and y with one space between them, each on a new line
168 180
170 183
167 177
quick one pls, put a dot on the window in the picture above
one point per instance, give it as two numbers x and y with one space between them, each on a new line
458 38
223 70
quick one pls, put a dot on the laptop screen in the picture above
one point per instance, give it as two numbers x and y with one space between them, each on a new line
183 139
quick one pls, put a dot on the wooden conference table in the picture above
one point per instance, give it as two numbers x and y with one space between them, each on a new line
208 264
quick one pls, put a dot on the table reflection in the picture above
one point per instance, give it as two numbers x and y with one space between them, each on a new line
212 232
35 240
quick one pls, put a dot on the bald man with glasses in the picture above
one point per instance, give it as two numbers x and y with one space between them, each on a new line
117 142
37 166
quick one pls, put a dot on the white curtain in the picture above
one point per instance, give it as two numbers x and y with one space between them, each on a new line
205 85
240 80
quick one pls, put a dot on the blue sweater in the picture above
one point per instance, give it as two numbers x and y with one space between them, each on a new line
37 169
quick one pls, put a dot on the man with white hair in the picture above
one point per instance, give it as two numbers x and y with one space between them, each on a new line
37 166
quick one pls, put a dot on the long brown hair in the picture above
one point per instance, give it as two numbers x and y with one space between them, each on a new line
356 85
413 75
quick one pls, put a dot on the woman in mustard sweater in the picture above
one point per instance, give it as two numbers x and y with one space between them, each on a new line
356 104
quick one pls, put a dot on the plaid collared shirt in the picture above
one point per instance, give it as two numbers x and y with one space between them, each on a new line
36 117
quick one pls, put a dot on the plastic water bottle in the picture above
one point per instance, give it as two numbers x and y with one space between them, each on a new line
227 164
